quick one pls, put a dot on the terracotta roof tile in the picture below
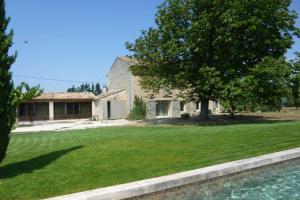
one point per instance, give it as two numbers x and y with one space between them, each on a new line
65 95
109 93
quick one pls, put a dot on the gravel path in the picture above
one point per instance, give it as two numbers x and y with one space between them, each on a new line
62 125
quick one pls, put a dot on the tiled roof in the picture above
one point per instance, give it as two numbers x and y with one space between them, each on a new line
109 93
65 96
130 61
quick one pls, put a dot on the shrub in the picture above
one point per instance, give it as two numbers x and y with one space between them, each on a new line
138 111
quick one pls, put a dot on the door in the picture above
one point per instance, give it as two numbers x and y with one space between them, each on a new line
162 108
108 110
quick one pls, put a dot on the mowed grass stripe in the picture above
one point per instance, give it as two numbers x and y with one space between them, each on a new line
42 165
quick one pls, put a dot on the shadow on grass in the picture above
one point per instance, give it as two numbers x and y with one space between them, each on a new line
28 166
217 120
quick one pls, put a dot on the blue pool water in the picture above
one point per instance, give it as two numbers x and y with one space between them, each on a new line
273 183
279 182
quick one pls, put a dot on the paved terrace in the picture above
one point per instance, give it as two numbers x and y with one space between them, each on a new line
62 125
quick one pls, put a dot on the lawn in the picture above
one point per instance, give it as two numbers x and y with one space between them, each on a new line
40 165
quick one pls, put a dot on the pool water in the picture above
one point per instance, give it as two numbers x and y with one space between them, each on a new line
279 182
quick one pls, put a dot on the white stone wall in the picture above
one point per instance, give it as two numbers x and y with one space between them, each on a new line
120 77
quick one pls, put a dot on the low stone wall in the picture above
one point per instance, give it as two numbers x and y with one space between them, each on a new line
156 185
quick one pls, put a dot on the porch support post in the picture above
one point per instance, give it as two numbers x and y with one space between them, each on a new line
94 113
51 110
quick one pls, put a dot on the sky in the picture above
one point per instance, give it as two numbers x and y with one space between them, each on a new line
77 41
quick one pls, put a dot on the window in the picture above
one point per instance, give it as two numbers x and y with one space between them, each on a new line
22 110
217 104
42 109
72 108
162 108
85 108
182 105
197 105
59 108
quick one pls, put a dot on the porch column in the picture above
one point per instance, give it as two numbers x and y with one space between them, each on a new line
94 112
51 110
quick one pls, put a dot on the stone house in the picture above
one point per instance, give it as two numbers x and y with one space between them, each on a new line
122 87
115 103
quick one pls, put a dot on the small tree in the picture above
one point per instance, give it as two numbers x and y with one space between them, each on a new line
10 97
98 90
139 109
7 110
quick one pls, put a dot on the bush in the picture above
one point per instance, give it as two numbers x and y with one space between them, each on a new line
138 111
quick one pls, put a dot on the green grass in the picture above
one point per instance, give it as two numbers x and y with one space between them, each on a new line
40 165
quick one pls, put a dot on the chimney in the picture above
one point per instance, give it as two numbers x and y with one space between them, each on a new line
105 88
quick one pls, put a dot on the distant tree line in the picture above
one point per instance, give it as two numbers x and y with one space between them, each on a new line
85 87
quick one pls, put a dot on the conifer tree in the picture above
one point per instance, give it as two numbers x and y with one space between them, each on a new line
7 110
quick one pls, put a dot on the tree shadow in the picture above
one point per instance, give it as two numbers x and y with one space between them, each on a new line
28 166
216 120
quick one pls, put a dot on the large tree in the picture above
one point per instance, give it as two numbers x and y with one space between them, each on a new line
202 47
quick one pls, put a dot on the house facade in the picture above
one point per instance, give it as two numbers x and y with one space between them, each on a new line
58 106
115 102
123 86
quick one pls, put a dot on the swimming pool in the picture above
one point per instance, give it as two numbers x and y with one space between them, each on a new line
280 181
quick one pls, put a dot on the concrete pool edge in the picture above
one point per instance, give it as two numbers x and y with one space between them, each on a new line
153 185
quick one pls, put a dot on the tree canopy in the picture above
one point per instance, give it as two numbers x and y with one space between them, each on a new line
204 47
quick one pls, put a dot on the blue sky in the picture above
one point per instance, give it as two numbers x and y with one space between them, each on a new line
78 40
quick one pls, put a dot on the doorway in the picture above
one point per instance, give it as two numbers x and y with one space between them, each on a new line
108 110
162 108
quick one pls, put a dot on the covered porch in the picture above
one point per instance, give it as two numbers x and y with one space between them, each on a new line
58 106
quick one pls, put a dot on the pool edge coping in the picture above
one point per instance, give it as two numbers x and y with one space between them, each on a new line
158 184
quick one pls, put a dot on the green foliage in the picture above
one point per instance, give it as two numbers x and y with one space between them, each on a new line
203 47
7 109
296 81
264 88
10 97
24 92
85 87
271 81
98 90
138 111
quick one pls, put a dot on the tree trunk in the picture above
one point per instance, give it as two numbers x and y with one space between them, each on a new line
204 110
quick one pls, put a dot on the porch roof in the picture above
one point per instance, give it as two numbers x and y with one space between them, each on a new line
65 96
112 92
